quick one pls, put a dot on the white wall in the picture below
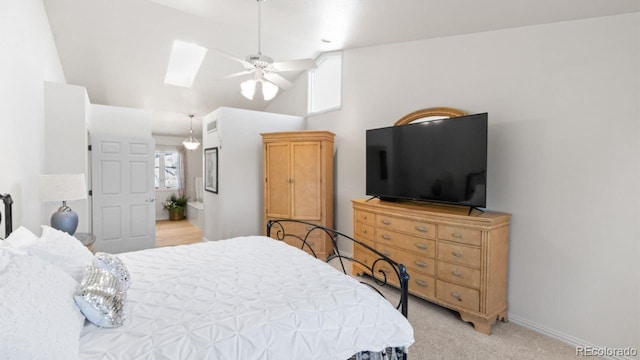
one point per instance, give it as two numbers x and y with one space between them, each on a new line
236 209
563 104
29 58
66 143
193 169
115 120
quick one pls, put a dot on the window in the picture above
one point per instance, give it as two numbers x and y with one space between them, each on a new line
325 84
167 169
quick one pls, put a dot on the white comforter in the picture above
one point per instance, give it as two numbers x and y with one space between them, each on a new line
244 298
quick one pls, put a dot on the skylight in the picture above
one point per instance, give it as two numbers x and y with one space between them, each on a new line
184 63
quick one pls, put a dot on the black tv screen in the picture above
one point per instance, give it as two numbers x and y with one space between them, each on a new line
439 161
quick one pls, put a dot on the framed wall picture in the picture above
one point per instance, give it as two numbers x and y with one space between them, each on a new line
211 169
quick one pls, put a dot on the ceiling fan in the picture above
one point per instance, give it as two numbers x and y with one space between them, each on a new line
265 71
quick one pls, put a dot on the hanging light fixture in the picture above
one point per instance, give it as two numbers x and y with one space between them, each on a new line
191 143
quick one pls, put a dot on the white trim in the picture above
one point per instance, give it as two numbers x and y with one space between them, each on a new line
571 340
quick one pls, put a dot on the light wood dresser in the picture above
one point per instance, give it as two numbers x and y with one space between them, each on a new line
453 259
298 184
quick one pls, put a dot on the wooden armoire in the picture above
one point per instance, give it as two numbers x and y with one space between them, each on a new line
298 184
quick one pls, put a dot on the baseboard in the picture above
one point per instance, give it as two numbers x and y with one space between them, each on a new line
571 340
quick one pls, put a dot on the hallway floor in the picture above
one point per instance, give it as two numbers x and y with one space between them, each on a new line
171 233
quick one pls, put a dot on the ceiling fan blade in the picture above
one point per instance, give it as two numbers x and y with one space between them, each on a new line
294 65
241 61
239 73
278 80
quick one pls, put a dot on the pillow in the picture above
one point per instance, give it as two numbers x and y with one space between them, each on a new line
62 250
20 237
113 265
39 317
100 297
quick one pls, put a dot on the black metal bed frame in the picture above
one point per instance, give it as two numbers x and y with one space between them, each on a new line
372 270
8 218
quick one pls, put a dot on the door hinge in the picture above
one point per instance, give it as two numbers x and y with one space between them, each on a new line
90 192
89 147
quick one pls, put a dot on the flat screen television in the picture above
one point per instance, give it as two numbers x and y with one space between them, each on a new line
441 161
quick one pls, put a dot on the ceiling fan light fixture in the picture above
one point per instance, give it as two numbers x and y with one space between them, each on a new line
248 89
269 90
191 143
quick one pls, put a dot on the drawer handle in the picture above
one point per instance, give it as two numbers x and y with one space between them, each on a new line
421 283
386 237
310 243
456 273
422 246
456 253
422 228
364 231
386 222
421 264
456 296
364 217
385 253
457 235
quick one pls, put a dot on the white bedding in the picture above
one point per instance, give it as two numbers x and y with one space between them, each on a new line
244 298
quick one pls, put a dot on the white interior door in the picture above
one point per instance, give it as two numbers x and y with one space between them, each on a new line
123 193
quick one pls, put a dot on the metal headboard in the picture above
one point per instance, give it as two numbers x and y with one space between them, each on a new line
8 221
276 229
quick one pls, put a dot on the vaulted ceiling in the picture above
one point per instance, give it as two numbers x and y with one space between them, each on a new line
119 49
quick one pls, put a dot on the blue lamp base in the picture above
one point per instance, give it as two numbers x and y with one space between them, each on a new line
65 220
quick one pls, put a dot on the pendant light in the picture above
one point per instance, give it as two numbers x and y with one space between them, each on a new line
191 143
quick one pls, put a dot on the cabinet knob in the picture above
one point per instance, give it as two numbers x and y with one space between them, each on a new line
422 246
457 235
422 228
386 237
456 273
421 283
364 231
456 296
385 253
456 253
385 221
421 263
364 217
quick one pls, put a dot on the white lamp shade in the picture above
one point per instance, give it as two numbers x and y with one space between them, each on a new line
191 143
63 187
269 90
248 89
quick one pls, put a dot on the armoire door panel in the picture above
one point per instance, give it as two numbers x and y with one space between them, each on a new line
277 180
306 183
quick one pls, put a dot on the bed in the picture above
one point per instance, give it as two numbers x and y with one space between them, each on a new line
242 298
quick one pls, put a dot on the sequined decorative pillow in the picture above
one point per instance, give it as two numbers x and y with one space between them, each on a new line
115 266
100 296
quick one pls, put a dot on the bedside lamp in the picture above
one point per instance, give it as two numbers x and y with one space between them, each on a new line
63 188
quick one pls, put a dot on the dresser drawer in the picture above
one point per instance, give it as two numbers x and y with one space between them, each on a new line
459 254
422 285
417 263
417 228
460 234
365 256
408 242
459 274
364 232
461 296
365 217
